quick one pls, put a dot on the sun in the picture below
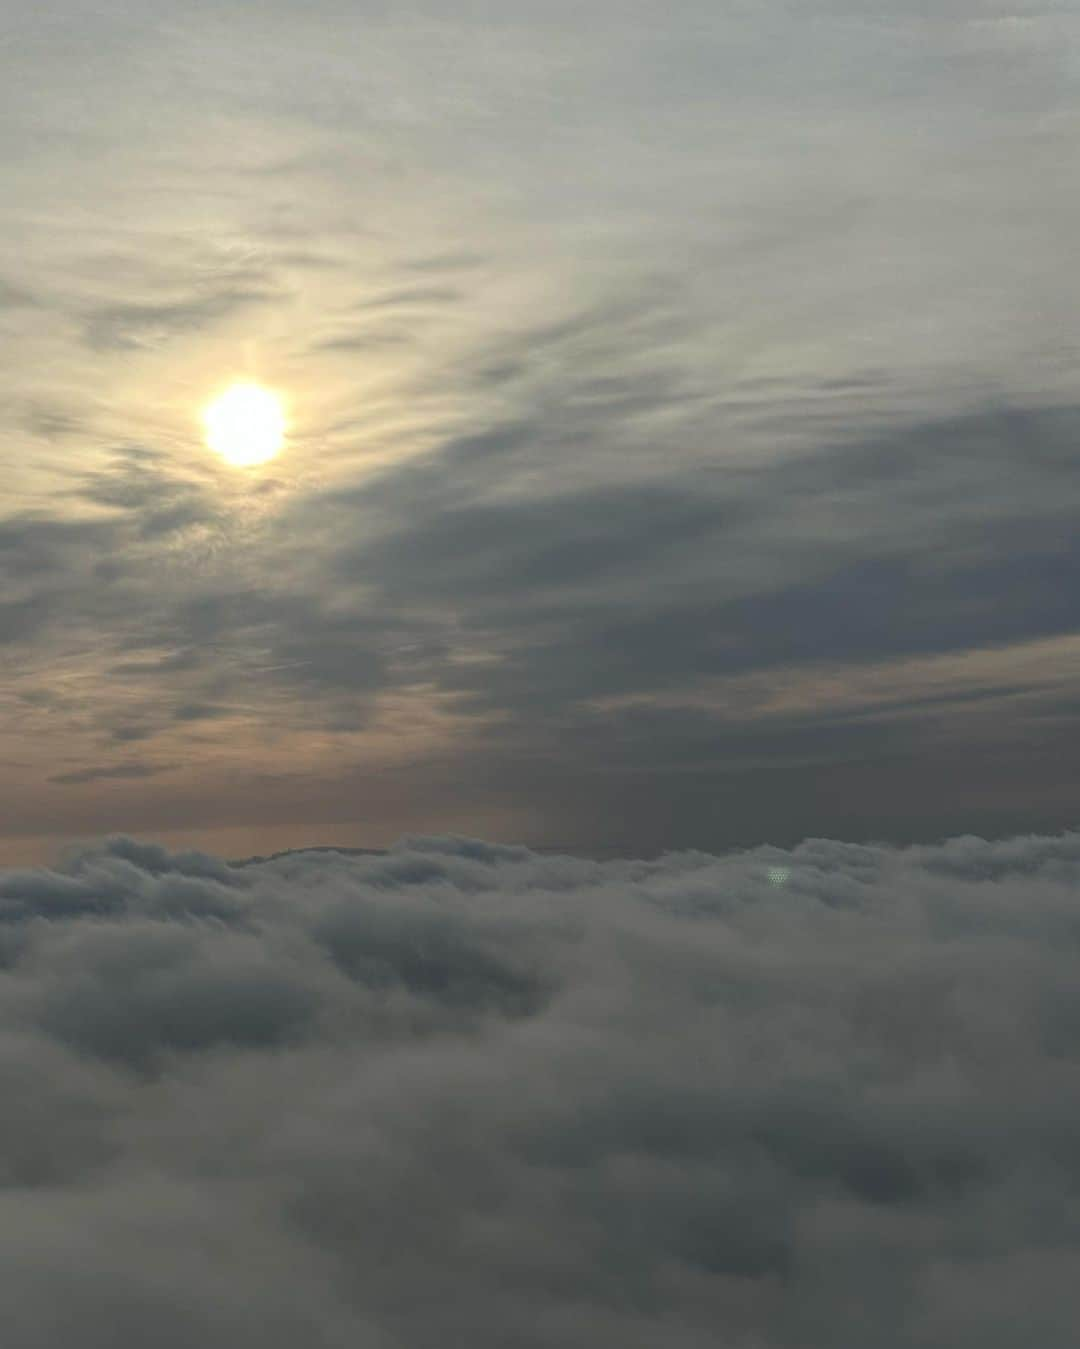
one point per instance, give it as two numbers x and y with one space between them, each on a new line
245 425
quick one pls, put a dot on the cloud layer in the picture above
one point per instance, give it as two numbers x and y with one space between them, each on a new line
464 1093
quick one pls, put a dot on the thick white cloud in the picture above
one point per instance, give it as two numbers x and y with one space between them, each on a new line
465 1093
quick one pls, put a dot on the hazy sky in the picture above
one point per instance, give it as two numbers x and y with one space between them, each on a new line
683 421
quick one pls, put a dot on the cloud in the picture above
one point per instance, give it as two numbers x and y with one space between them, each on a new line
645 660
13 297
136 325
464 1092
199 712
108 772
415 295
560 611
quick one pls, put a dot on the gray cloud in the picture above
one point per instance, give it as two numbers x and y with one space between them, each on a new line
928 541
461 1090
105 772
121 326
415 295
199 712
548 618
14 297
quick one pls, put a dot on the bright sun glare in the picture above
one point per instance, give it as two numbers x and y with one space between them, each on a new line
246 425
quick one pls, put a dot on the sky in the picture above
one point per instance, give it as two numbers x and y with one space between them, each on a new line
682 412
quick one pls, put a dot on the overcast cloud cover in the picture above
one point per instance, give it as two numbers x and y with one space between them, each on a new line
461 1093
683 411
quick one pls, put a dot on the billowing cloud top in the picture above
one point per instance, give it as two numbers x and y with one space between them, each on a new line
460 1093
